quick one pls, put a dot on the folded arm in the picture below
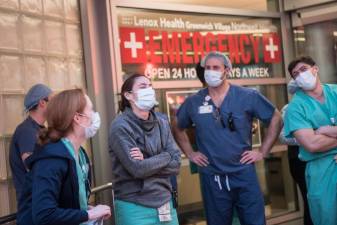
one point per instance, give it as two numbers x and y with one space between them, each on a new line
314 142
171 147
121 142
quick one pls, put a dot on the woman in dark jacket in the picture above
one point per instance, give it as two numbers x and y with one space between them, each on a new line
59 174
144 158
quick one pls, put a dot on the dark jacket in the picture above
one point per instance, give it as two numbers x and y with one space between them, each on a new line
145 182
52 195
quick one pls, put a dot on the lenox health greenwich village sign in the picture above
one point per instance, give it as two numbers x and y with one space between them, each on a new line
167 46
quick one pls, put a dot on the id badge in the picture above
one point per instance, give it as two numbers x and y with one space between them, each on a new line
205 109
164 212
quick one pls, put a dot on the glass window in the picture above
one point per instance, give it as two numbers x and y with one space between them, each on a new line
166 46
33 6
9 26
275 180
319 40
273 173
40 43
261 5
33 36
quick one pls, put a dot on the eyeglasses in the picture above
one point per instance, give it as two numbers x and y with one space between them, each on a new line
230 121
300 70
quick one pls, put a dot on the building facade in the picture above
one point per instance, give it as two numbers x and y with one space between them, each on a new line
92 44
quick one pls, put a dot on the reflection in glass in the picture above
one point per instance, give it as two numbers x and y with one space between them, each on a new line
319 40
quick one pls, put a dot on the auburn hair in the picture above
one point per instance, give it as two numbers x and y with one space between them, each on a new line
60 113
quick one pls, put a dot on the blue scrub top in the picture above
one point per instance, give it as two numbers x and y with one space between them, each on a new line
23 141
222 146
305 112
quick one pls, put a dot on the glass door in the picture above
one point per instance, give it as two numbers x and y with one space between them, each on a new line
166 45
319 40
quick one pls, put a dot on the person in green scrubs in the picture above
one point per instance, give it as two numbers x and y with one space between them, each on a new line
310 118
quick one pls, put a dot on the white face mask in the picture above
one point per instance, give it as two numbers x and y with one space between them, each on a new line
146 99
306 80
213 78
94 126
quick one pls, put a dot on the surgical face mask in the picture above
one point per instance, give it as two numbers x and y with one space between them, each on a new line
213 78
146 99
306 80
91 130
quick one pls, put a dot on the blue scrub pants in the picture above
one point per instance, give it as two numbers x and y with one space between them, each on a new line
221 193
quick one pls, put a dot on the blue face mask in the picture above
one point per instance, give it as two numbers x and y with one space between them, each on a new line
213 78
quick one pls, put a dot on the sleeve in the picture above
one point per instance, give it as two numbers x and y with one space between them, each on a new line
120 143
26 141
333 90
295 120
172 148
262 108
287 141
183 115
282 138
47 182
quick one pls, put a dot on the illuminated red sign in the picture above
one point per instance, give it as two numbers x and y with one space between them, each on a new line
162 47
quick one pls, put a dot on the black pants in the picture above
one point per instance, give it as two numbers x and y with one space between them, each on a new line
297 171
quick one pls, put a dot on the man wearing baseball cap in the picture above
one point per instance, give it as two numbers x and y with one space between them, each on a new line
25 136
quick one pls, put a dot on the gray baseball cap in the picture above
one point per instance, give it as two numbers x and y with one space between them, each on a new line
35 94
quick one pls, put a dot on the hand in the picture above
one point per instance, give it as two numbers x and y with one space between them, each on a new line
99 211
136 154
324 130
198 158
249 157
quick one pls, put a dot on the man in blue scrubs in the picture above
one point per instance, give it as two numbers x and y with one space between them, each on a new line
25 136
311 118
222 115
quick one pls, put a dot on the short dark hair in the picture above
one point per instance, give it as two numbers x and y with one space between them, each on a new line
127 87
200 73
303 59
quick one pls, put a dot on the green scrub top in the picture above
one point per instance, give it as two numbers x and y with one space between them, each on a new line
82 169
305 112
